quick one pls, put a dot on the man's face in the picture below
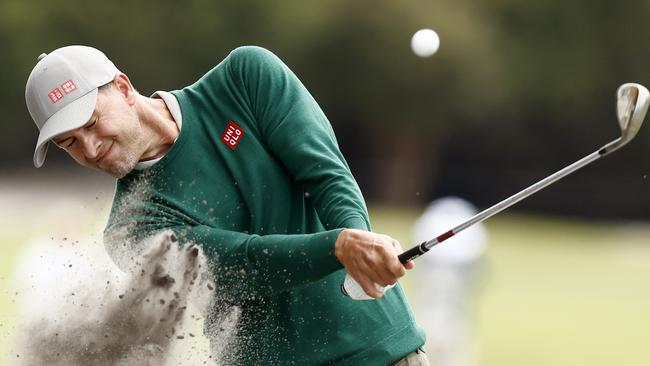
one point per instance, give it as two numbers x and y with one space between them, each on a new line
111 141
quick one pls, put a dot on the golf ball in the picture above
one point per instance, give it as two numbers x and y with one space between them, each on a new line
425 42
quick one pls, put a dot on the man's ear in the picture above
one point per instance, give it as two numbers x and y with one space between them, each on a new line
124 86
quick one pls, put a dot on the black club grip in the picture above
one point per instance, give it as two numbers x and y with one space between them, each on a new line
413 253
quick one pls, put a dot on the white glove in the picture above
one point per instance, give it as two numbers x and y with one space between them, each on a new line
351 288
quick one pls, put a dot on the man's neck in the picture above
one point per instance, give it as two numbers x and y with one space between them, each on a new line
160 124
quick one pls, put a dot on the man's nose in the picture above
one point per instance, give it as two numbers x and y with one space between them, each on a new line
91 146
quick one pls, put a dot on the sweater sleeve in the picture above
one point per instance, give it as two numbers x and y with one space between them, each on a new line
249 267
296 130
246 266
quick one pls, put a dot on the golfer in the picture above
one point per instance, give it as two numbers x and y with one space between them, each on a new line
244 163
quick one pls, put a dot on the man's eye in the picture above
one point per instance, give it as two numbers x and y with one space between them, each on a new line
69 144
65 143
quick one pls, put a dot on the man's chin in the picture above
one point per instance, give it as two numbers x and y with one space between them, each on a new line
118 171
118 175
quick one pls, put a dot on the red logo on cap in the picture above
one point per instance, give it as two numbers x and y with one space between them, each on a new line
69 86
55 95
232 135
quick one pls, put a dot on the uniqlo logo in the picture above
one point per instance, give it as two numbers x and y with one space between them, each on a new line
232 135
69 86
55 95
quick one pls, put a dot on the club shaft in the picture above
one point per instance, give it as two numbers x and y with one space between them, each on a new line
418 250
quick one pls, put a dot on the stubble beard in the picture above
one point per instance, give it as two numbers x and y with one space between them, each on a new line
124 166
131 149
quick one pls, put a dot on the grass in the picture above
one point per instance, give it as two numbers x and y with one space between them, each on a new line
555 291
566 293
7 305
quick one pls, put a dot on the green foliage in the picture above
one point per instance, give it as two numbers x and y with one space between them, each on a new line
509 77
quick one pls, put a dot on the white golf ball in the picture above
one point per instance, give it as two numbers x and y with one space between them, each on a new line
425 42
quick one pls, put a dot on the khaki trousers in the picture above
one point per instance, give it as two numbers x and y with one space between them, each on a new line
415 358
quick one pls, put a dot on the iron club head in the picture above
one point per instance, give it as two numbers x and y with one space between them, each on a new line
631 107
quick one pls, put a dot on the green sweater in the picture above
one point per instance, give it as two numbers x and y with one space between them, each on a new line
257 179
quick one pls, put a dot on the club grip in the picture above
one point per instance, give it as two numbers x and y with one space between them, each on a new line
413 253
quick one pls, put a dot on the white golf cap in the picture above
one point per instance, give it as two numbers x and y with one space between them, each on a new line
61 91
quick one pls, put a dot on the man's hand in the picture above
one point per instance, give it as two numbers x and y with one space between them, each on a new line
370 258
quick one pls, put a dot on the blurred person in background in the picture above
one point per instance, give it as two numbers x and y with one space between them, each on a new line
244 163
447 279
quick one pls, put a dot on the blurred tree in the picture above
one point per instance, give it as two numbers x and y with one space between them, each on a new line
516 90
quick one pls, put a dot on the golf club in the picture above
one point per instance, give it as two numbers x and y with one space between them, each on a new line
631 107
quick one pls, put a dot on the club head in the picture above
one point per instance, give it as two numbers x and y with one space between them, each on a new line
631 107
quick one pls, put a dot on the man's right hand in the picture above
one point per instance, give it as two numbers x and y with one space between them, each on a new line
370 258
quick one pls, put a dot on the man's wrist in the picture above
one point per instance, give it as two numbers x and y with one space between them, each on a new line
339 244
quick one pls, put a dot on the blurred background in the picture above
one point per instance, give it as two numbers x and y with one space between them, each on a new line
516 91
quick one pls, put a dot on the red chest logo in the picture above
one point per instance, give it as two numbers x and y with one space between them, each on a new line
232 135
